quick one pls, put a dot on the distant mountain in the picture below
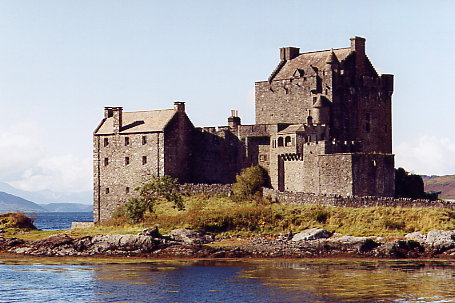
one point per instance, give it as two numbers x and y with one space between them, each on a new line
47 196
444 184
67 207
12 203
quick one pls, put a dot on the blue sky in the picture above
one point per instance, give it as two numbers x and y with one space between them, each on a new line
62 61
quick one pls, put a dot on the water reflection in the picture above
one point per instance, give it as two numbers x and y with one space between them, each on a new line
229 281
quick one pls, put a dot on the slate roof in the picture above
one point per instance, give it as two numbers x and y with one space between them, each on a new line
306 61
139 122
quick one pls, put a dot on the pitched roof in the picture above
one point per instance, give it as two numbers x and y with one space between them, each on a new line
138 122
307 61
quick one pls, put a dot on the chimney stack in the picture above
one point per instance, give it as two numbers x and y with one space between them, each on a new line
179 106
358 45
117 113
289 53
234 119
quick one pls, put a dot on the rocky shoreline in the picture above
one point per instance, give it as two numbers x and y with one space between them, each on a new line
184 243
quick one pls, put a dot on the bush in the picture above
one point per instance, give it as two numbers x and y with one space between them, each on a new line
159 189
16 220
249 182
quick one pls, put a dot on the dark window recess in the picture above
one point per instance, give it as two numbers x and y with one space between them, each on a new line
127 160
287 141
280 141
107 190
106 142
144 160
144 140
106 161
127 190
127 141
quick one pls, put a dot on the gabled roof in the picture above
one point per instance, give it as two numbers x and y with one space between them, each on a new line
309 61
138 122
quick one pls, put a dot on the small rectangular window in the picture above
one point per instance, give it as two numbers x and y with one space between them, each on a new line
127 141
144 160
144 140
107 190
127 190
127 160
106 161
106 142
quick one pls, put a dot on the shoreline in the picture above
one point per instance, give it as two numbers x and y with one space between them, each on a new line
203 247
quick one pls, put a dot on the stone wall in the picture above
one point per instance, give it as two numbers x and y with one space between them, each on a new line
206 189
122 163
331 200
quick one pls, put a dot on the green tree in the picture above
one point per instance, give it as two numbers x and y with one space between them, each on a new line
249 182
157 190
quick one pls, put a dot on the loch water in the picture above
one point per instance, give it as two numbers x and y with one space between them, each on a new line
59 220
32 279
117 280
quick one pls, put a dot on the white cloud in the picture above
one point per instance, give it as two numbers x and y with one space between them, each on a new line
26 163
430 155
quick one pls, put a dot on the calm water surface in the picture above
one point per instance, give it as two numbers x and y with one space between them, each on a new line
40 280
59 220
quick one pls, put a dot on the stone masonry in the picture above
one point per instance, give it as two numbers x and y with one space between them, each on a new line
323 127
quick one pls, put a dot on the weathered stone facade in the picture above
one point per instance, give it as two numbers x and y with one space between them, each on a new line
323 127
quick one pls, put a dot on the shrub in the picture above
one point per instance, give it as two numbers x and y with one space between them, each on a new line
157 190
16 220
249 182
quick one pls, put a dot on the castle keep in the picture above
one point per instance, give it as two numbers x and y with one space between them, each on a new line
323 126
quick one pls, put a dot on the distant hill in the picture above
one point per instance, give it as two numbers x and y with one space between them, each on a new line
47 196
444 184
12 203
67 207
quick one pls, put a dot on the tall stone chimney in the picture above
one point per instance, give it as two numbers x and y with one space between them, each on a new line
179 106
288 53
117 113
358 45
107 112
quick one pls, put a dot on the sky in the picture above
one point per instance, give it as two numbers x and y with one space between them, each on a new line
62 61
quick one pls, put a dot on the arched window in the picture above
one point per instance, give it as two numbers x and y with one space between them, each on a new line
287 141
280 141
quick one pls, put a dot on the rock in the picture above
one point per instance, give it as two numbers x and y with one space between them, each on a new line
103 243
312 234
400 249
351 243
188 236
151 232
416 236
441 239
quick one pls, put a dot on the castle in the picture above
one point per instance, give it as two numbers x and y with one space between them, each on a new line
323 126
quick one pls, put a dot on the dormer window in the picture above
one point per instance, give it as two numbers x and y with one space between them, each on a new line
298 73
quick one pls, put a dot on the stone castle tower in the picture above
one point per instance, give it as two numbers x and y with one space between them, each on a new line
323 126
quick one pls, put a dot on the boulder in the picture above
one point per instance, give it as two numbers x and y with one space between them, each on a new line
102 243
441 239
416 236
188 236
152 232
312 234
354 244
